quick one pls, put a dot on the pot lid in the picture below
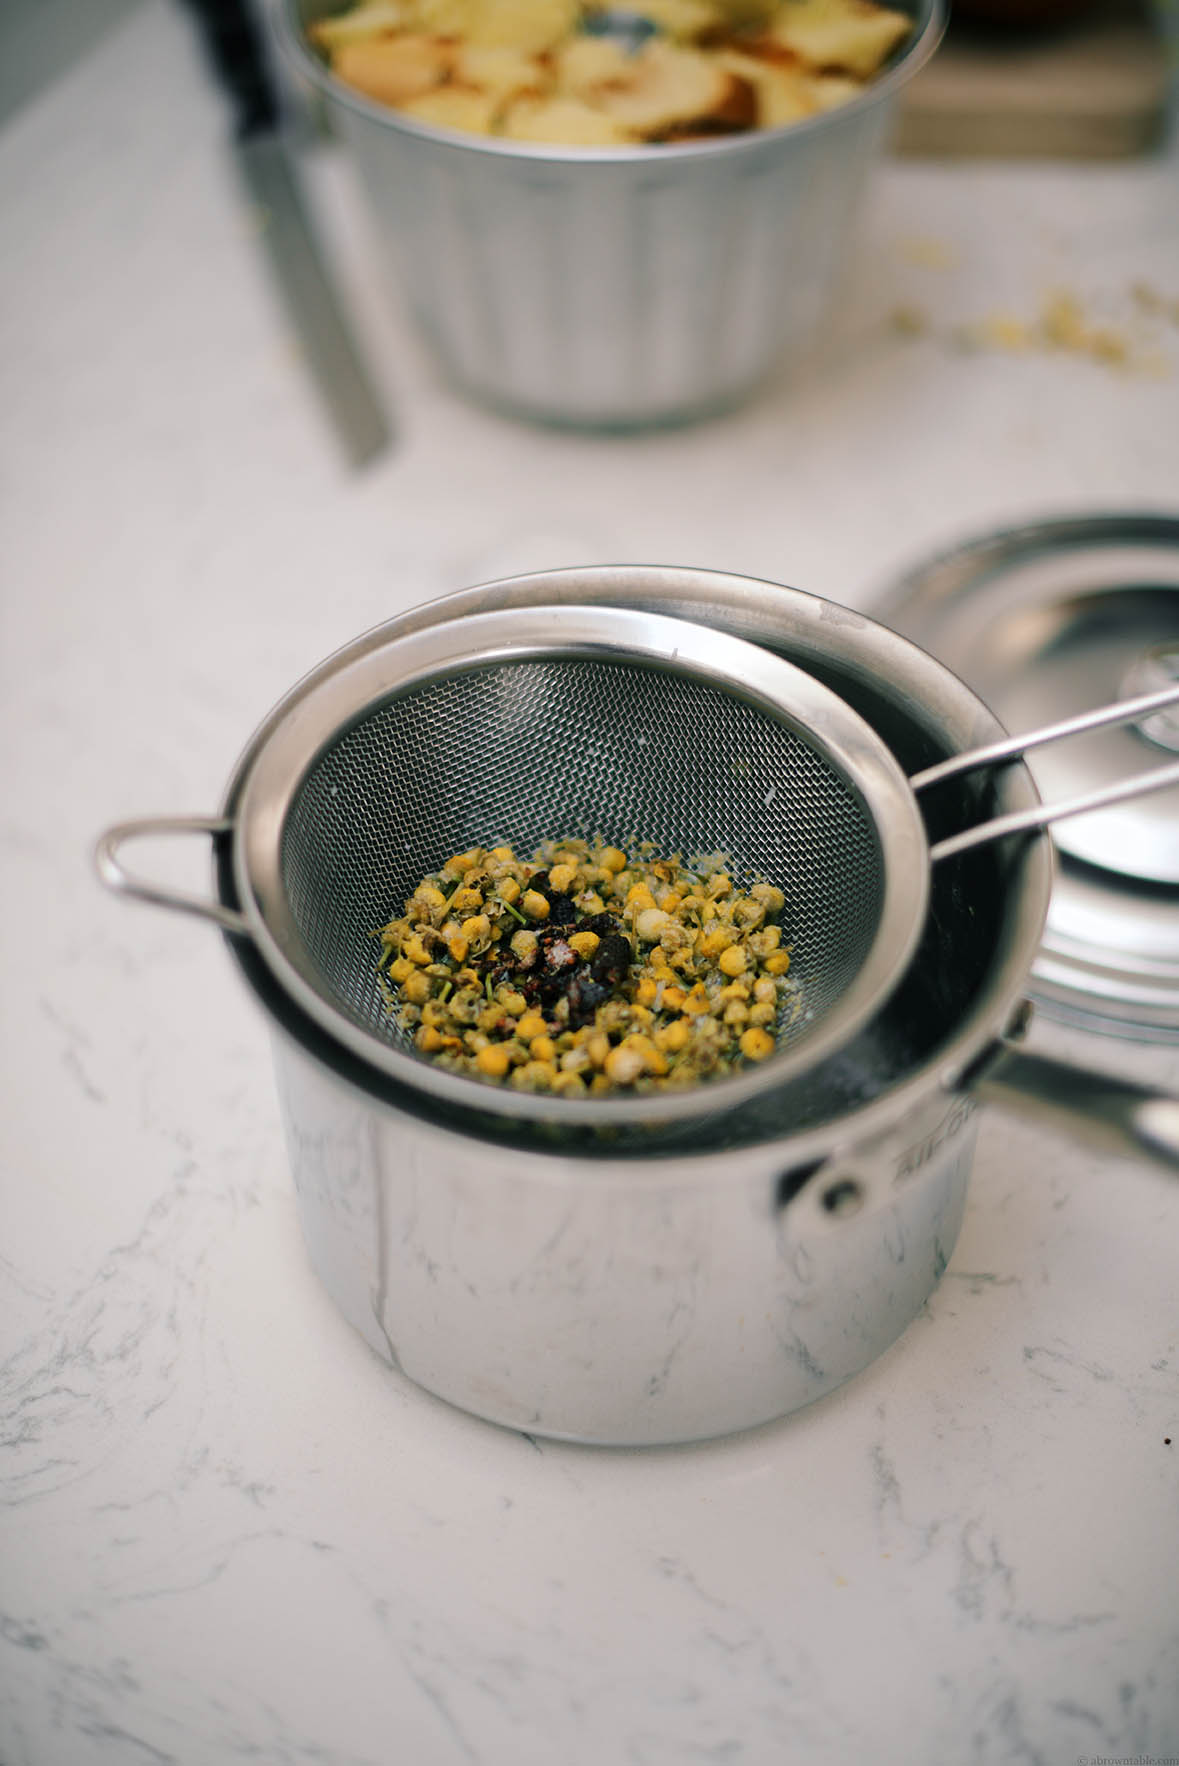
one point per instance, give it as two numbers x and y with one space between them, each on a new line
1045 621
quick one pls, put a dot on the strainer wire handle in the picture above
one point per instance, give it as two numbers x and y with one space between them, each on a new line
1026 820
124 882
1126 711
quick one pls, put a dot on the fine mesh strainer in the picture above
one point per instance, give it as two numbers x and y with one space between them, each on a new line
529 724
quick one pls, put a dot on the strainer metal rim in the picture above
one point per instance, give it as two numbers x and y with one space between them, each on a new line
358 684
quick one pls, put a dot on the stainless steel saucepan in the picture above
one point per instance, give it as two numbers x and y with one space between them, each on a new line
639 1292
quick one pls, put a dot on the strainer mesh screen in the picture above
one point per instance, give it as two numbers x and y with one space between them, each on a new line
523 751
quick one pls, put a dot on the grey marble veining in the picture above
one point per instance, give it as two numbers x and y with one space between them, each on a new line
228 1530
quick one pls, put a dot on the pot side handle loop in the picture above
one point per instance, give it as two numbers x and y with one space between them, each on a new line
1110 1114
123 882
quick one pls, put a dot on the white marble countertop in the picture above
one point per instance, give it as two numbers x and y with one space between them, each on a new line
229 1532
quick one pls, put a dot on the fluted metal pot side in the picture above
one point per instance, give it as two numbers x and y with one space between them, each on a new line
617 286
625 297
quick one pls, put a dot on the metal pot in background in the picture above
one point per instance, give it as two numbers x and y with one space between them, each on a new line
629 1298
612 287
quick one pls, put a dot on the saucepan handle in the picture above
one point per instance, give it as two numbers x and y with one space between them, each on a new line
116 877
1113 1115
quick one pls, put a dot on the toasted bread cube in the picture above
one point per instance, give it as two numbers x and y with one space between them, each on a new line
783 94
854 36
829 91
585 64
446 18
668 88
456 107
530 26
379 18
504 73
683 20
563 122
393 70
